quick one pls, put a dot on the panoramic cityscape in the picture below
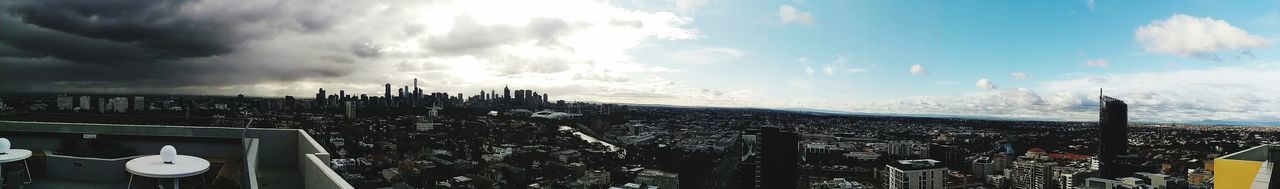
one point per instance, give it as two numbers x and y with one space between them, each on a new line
673 94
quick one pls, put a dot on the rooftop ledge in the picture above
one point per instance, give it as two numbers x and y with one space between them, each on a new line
252 157
1257 153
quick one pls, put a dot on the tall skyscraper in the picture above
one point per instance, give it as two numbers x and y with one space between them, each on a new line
320 98
139 103
535 99
118 104
779 166
506 93
519 96
1113 125
84 103
348 109
417 94
65 102
387 95
102 105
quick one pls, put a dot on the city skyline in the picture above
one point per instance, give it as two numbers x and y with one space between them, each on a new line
1179 62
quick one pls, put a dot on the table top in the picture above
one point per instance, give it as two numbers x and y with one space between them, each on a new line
152 166
15 155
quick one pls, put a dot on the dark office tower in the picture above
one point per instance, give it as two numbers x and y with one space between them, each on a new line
342 95
545 99
506 93
520 96
320 98
289 103
482 97
778 168
387 95
1113 125
535 98
515 95
417 93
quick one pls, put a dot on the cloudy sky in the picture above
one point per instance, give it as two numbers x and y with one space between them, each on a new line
1183 61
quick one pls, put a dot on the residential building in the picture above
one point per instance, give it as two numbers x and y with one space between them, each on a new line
1029 173
139 103
916 174
65 102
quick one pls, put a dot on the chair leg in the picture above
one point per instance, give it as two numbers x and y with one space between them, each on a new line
130 185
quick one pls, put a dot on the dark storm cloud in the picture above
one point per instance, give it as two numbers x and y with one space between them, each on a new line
468 36
471 37
51 45
113 31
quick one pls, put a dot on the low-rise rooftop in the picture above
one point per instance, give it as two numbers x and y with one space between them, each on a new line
916 164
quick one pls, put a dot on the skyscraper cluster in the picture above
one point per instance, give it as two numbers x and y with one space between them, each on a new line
416 97
103 105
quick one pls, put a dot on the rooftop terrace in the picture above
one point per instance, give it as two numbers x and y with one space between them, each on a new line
240 157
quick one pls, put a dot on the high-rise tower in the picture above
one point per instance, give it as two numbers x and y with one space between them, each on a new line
506 93
1113 127
320 98
779 162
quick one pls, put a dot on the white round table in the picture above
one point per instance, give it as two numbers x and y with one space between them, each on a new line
16 155
151 166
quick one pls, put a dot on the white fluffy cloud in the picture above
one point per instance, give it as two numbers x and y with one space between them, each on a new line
1237 93
917 69
1020 76
688 5
789 14
985 84
839 64
1192 37
1101 63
